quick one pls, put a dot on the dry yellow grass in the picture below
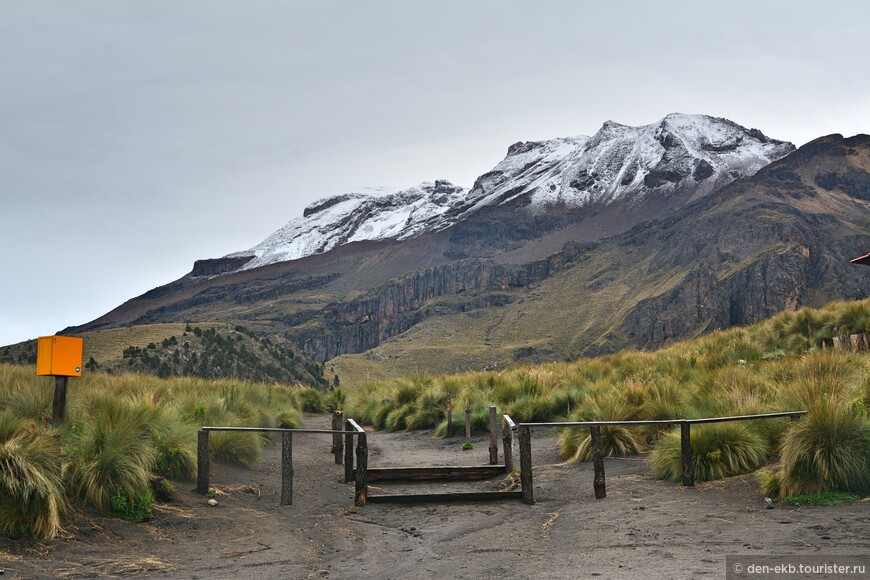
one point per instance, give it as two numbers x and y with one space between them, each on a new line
106 345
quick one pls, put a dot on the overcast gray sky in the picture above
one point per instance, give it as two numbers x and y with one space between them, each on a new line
137 137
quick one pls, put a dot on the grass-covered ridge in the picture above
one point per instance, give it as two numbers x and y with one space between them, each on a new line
768 367
120 436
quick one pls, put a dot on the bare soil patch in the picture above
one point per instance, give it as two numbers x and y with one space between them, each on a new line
644 527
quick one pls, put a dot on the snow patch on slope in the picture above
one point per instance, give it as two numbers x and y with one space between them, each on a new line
338 220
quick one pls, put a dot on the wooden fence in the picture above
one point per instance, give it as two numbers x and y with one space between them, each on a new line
525 442
203 463
858 343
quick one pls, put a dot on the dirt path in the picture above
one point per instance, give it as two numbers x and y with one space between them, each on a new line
643 528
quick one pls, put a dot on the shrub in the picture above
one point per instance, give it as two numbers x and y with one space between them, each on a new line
112 452
828 449
133 508
309 400
290 418
32 498
163 490
719 450
236 448
479 423
575 443
176 451
768 482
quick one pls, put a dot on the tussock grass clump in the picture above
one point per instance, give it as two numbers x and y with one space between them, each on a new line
236 448
32 497
176 451
575 443
719 450
112 451
826 450
290 418
119 432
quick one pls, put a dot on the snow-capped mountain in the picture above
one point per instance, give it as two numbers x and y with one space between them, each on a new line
354 217
686 154
621 162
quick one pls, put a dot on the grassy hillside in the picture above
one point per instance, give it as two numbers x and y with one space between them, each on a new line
121 436
768 367
181 349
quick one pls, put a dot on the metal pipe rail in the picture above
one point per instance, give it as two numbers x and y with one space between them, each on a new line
524 434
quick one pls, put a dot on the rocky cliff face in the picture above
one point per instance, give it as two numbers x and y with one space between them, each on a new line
752 249
363 323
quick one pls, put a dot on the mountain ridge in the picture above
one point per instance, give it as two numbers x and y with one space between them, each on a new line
619 162
490 290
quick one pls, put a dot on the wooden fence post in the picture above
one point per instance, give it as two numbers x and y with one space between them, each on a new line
348 452
58 407
507 443
598 461
449 415
202 465
362 471
686 448
525 438
467 420
337 441
287 468
493 436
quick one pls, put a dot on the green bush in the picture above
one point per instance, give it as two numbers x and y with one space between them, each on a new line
290 418
828 449
163 490
829 498
243 448
768 482
309 400
719 450
133 508
616 441
176 451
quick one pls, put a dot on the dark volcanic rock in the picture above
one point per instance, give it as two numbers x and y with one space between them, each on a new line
213 267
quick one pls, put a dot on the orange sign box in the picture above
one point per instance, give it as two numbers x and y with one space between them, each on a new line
60 356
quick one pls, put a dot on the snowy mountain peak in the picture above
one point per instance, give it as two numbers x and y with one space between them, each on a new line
681 154
341 219
621 162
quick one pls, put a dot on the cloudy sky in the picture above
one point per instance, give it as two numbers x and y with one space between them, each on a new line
137 137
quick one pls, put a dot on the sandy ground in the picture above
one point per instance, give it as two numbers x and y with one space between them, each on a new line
644 528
